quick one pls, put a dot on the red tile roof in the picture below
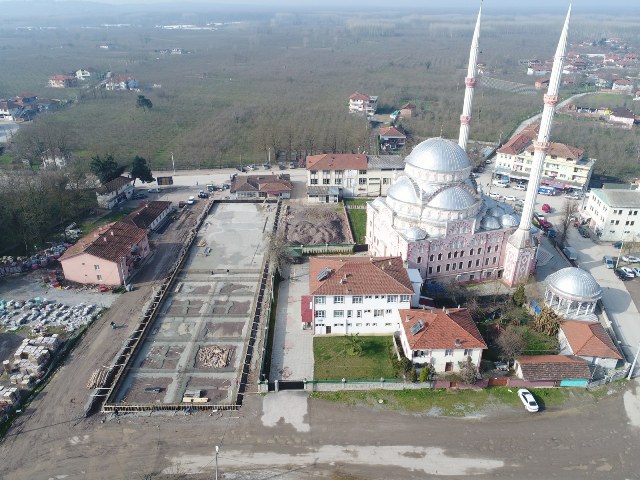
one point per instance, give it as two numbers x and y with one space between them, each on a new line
450 329
359 96
621 81
518 142
553 367
114 185
274 184
359 276
147 214
306 313
112 242
589 339
337 161
408 106
561 150
391 132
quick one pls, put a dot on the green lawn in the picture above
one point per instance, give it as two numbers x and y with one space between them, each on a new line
92 223
332 362
455 403
358 219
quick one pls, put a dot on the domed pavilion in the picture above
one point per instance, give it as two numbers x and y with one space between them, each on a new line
572 293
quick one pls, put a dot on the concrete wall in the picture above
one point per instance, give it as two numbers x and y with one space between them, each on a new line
82 269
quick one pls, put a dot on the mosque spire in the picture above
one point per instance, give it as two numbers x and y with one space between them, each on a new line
470 82
520 251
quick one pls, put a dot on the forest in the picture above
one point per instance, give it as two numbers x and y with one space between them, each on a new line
273 86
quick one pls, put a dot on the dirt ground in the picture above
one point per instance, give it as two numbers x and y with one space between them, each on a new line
315 225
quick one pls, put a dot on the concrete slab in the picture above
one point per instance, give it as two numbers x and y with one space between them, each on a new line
292 356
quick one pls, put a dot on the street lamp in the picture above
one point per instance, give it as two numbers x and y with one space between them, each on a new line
217 450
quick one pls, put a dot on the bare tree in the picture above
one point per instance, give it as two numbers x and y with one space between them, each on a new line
511 343
468 371
567 214
278 251
547 322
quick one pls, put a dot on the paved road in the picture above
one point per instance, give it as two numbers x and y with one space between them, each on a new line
536 118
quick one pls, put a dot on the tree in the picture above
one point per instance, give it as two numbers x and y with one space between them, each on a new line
353 347
511 343
567 213
427 372
547 322
468 371
414 374
278 251
144 103
519 296
140 170
106 169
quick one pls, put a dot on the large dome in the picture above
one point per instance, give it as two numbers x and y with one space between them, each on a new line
438 155
454 198
575 283
403 190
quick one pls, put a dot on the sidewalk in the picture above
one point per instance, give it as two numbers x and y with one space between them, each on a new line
292 356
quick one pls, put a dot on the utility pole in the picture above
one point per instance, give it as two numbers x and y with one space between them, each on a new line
217 450
174 164
633 364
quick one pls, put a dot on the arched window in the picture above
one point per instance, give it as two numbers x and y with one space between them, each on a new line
419 259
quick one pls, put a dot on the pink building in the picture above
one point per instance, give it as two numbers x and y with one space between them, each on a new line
108 256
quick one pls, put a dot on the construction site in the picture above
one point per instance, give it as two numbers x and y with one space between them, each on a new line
197 342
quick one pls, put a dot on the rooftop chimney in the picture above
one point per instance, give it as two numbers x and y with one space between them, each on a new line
407 317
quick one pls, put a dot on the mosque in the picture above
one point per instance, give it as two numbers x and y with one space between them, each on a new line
438 219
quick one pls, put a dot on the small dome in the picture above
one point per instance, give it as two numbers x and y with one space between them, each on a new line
453 198
438 155
575 283
509 220
403 190
489 222
496 211
415 234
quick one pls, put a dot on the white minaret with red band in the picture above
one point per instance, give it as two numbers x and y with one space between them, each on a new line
470 82
520 251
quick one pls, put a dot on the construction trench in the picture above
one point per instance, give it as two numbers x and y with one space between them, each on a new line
195 342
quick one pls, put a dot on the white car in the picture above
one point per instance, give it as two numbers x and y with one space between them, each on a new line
628 272
191 200
520 186
630 258
154 190
527 399
636 270
494 195
511 198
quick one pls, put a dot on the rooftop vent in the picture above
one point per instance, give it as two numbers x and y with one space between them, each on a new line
458 343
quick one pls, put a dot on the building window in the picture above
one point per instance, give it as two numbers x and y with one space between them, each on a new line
471 252
449 255
338 299
438 269
469 264
387 311
419 260
356 299
99 277
325 181
314 181
338 181
320 314
430 270
378 312
362 181
495 259
448 353
358 313
96 267
486 261
480 251
338 314
404 298
462 253
446 268
472 276
488 249
386 181
431 258
455 254
362 172
320 300
392 298
467 352
439 256
477 262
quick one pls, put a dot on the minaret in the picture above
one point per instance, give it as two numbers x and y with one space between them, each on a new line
470 82
520 251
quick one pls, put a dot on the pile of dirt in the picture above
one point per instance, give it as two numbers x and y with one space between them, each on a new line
316 225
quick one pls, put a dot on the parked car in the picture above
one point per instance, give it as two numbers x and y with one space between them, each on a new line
191 200
520 186
630 258
154 190
292 165
546 208
511 198
622 275
572 196
528 401
182 204
628 272
551 233
570 253
608 261
266 166
617 245
583 232
494 195
499 183
501 366
241 169
203 194
251 167
636 271
226 186
282 166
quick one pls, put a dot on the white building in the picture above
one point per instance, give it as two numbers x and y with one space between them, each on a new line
354 175
589 341
441 338
613 214
565 166
364 104
358 294
118 190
